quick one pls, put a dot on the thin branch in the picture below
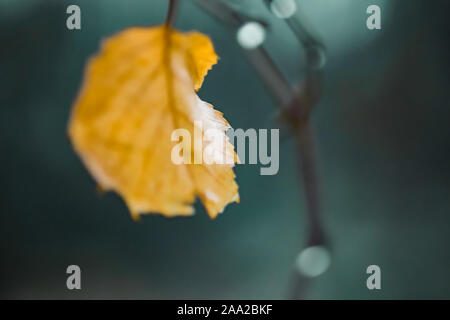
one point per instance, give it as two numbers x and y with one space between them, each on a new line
306 140
298 25
298 116
171 13
219 10
296 105
274 81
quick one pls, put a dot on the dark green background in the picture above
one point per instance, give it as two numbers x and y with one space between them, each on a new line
383 130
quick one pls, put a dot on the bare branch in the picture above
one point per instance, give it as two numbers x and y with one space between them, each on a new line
277 85
171 12
296 105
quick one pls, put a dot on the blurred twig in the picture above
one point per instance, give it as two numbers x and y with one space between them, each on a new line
295 104
272 78
298 116
171 12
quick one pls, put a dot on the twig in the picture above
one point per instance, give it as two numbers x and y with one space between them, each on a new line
306 140
171 12
277 85
304 34
295 104
298 116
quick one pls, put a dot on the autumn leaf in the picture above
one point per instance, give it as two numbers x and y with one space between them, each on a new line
135 93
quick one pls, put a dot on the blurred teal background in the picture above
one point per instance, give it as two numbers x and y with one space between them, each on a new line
384 142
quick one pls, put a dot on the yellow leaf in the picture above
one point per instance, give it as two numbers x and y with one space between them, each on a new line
136 92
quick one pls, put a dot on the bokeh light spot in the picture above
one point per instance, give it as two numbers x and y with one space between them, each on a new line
251 35
283 9
313 261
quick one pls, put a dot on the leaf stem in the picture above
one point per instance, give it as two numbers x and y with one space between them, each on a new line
171 13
